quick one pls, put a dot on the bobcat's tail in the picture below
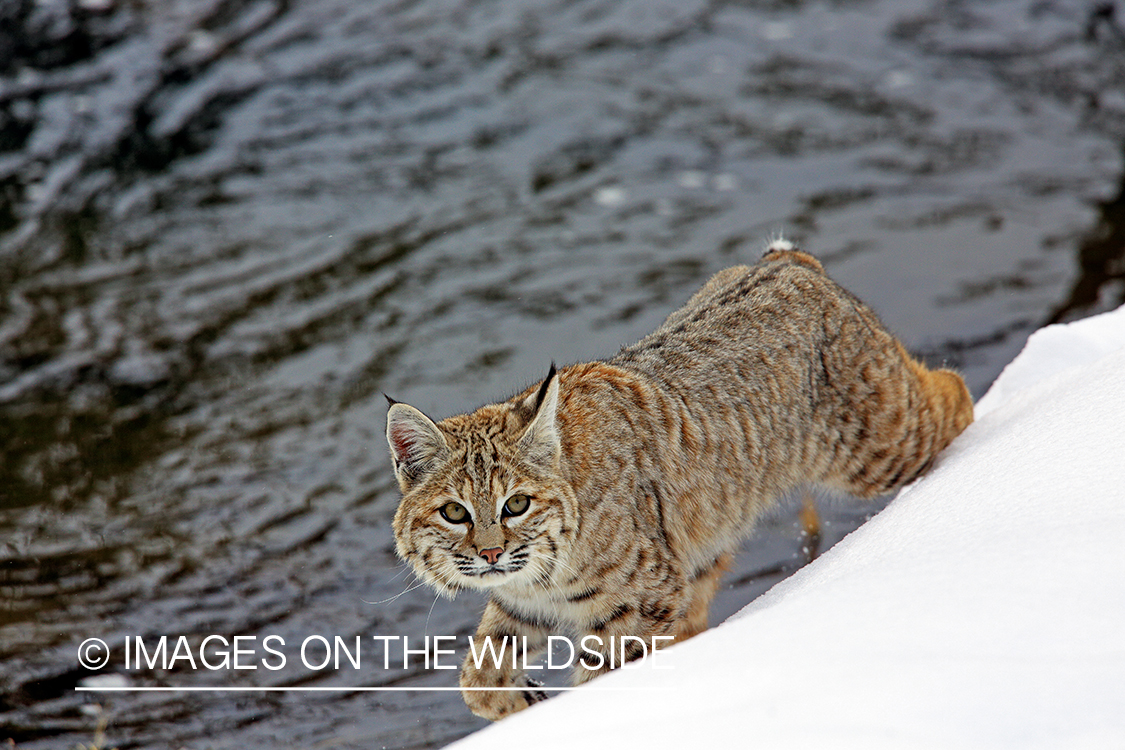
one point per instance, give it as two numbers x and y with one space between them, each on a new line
786 251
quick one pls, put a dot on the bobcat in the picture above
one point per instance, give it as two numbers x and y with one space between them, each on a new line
608 500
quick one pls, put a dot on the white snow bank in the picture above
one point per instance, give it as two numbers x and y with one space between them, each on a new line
985 607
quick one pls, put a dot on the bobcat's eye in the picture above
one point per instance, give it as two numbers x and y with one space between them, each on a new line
516 505
454 512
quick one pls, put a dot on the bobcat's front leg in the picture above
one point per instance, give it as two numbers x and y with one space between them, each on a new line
509 632
627 633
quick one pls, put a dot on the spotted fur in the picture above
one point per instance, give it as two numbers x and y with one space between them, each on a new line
645 471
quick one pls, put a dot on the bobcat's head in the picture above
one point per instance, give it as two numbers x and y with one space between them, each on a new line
483 504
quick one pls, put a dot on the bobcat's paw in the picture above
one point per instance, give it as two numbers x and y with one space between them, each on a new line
533 694
496 704
492 704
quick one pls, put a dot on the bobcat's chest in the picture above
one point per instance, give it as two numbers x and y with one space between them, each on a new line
556 608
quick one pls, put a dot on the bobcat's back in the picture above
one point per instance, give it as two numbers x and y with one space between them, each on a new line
769 377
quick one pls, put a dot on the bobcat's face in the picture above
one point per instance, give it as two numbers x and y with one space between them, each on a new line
464 535
483 504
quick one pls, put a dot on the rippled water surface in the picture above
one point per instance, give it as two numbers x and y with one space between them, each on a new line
227 226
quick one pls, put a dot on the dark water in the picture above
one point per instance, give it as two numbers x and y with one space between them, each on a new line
227 226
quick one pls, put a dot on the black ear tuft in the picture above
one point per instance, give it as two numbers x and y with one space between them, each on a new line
543 388
540 444
390 401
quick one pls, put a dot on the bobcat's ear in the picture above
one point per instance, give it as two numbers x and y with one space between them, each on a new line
540 442
417 444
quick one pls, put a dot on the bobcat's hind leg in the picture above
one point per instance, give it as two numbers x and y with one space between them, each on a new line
923 410
701 590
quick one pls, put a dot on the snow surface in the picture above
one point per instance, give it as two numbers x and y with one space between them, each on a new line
985 607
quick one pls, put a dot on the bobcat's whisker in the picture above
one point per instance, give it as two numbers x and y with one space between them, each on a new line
407 590
403 569
427 630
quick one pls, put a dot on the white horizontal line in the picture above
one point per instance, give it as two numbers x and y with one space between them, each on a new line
341 689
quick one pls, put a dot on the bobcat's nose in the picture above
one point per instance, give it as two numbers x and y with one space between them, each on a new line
492 555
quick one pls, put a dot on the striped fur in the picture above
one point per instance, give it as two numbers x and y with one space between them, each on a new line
644 472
